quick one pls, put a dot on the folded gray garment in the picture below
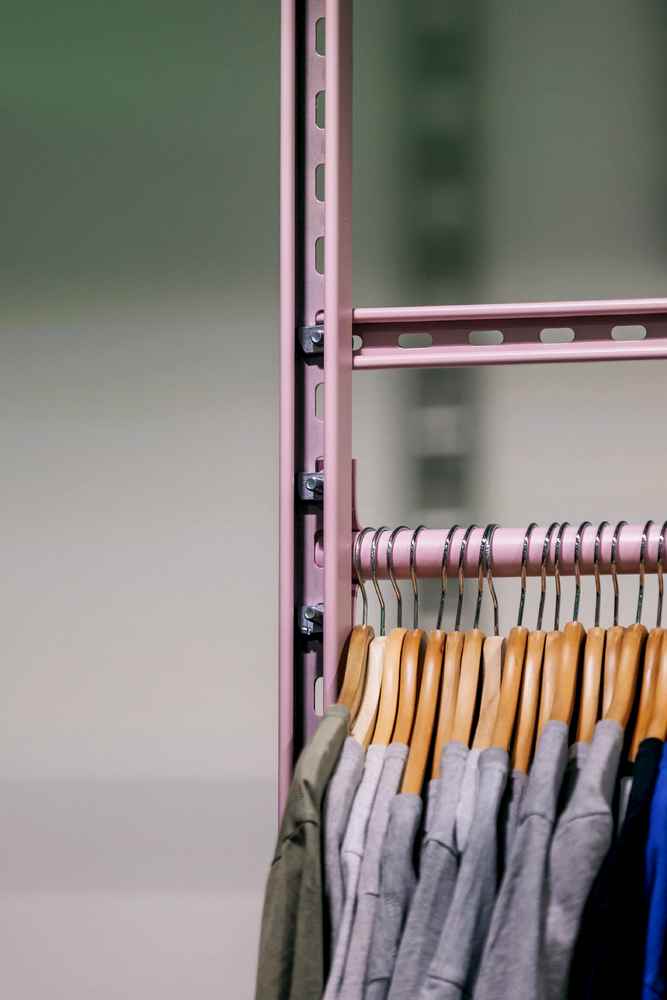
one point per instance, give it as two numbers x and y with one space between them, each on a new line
511 962
437 877
354 976
352 852
397 883
454 968
582 838
337 804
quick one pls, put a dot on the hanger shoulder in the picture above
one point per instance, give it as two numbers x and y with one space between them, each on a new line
364 724
420 742
612 652
411 660
657 727
589 708
625 686
492 662
650 671
354 677
567 675
451 673
391 679
466 699
549 677
511 685
530 698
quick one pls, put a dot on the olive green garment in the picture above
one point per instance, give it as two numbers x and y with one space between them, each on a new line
291 948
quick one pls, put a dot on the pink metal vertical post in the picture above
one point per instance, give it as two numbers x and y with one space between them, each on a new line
337 338
287 389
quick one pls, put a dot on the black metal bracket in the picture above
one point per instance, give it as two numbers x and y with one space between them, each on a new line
311 620
311 339
310 486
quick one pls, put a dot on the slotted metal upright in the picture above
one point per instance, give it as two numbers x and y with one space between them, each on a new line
317 326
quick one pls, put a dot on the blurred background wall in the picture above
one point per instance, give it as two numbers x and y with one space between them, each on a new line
500 154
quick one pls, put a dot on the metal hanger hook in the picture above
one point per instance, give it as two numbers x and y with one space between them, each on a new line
356 562
614 575
524 561
413 575
661 550
443 573
577 567
374 576
487 546
390 570
543 572
596 569
559 542
642 570
461 574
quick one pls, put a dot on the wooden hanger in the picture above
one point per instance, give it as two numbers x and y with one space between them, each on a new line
354 676
411 663
420 742
569 657
647 695
451 673
492 662
612 653
549 677
589 708
626 675
515 653
657 727
391 678
466 699
364 724
530 700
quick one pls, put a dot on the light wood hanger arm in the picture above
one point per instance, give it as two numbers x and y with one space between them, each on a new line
530 699
420 743
571 646
625 687
451 673
515 653
612 653
549 677
589 709
354 677
411 661
364 724
492 662
391 678
650 671
657 728
466 700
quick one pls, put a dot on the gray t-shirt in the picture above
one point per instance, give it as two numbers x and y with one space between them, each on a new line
354 976
352 853
510 964
454 968
397 883
576 758
431 798
510 811
337 805
465 810
437 877
582 838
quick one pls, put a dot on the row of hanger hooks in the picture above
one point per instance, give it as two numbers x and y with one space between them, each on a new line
485 572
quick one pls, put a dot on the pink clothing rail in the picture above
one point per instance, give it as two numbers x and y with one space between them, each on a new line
507 550
511 333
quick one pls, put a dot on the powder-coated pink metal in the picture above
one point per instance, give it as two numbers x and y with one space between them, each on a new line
287 391
521 328
337 339
507 551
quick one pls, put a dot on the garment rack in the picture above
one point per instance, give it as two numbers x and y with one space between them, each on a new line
317 326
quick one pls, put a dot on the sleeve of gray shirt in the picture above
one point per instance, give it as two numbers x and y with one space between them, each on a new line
511 965
437 877
351 854
397 883
454 968
465 808
431 798
354 976
337 805
583 836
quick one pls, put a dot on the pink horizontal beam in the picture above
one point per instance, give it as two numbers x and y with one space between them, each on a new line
591 324
507 550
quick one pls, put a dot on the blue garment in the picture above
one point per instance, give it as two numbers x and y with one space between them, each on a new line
655 961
